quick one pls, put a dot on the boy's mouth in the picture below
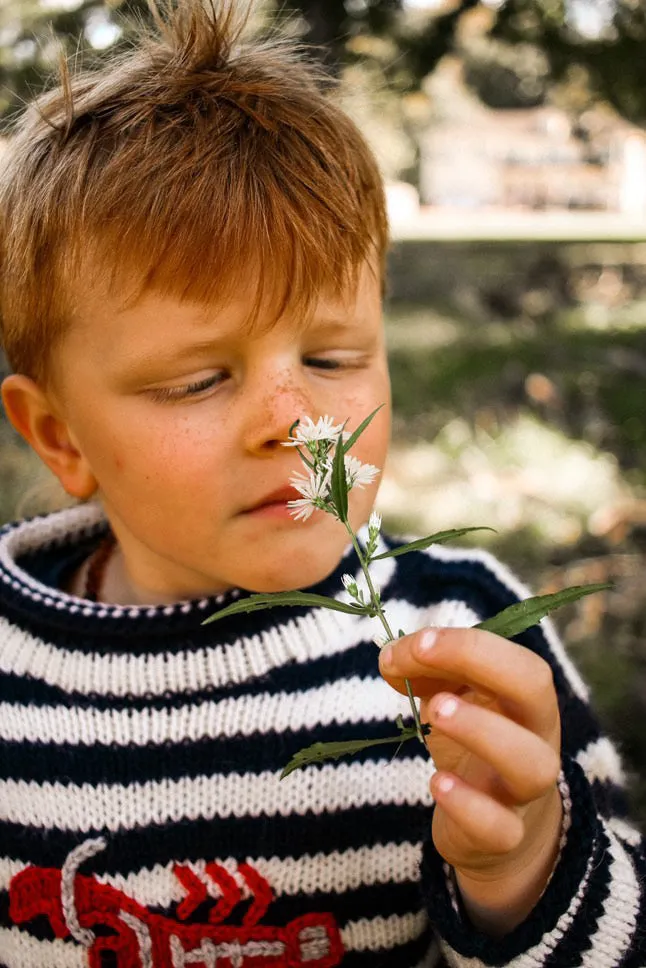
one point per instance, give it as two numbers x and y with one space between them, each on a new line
276 500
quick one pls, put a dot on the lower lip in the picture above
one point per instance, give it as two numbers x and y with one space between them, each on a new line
277 510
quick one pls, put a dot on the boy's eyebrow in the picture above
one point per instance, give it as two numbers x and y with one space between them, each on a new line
156 359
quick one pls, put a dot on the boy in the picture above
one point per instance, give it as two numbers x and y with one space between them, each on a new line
193 246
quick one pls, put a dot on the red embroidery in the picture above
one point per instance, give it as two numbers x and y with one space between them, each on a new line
138 938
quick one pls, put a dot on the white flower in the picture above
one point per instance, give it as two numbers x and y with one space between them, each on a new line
301 509
312 486
348 582
307 431
315 490
358 474
374 523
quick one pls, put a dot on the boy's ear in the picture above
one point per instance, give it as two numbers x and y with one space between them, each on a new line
38 420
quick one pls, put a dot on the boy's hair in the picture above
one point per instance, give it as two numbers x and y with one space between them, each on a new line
184 166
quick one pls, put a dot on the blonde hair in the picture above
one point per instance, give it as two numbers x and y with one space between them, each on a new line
178 166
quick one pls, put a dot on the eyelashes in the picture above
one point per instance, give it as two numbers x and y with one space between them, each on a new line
163 394
168 394
323 363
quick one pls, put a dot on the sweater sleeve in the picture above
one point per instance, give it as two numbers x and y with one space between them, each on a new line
593 910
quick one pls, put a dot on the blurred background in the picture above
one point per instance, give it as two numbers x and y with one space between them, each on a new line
512 135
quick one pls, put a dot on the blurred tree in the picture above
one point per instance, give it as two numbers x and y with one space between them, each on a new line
32 34
606 39
517 52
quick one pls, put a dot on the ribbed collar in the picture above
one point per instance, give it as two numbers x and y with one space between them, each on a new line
24 546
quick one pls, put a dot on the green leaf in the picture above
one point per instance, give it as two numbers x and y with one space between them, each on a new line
440 538
339 484
255 603
360 429
517 618
320 752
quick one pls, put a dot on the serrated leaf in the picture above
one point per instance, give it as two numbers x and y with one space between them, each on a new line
339 484
320 752
521 616
440 538
255 603
351 441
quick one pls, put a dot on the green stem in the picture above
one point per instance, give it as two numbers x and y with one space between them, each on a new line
384 621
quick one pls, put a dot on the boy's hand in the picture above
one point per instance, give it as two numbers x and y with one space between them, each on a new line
495 741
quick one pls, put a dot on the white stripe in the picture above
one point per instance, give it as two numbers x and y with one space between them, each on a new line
379 933
342 871
350 701
303 639
616 926
600 761
504 575
19 950
625 831
118 807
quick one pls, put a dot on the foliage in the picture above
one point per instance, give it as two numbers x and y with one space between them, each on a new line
514 53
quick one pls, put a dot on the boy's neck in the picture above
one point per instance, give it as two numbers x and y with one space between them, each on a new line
113 586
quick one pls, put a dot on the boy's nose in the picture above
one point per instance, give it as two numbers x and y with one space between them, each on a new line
271 415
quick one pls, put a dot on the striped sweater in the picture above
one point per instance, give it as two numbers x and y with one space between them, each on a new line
143 822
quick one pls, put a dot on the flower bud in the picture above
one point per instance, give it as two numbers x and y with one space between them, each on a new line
350 585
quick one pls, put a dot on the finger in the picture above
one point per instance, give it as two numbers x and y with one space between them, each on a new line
519 677
527 766
478 824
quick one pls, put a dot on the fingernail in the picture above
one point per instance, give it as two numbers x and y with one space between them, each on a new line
445 784
427 641
386 656
448 707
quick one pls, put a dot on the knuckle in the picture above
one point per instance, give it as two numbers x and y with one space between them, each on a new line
542 678
545 772
496 832
507 836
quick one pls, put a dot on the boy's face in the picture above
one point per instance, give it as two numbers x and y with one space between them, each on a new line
180 415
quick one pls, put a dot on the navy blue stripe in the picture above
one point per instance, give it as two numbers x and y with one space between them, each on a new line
610 799
144 634
418 579
72 764
226 837
579 726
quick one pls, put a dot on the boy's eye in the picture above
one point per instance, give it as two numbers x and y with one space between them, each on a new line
322 363
189 390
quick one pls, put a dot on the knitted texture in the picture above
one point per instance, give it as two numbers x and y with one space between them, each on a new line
143 823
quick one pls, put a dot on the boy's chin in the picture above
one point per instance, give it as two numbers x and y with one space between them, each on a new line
289 579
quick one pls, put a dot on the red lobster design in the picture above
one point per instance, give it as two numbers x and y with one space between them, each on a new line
76 904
